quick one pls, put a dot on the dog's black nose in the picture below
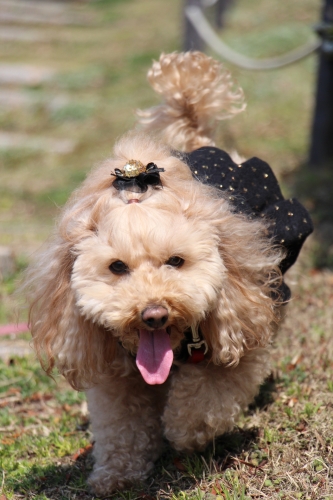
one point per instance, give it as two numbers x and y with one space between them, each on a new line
155 316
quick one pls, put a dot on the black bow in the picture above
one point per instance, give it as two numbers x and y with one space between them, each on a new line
150 176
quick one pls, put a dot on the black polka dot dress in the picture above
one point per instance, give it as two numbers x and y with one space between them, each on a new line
253 190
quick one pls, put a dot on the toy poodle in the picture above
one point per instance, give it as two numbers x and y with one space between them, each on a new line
162 286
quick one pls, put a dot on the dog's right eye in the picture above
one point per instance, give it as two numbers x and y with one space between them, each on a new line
175 261
118 267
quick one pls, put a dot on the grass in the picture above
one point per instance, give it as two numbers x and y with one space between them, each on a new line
9 297
42 425
283 446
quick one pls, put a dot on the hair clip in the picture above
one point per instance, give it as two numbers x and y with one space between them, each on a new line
136 177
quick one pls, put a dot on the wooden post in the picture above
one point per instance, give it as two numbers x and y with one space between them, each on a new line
321 150
192 41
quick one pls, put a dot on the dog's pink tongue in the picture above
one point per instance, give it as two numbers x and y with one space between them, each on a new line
154 357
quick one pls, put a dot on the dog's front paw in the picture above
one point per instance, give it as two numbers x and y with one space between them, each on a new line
118 474
104 481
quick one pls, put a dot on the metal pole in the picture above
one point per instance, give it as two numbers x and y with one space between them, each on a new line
192 41
221 7
321 150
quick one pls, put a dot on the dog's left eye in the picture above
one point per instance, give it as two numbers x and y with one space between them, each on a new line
118 267
175 261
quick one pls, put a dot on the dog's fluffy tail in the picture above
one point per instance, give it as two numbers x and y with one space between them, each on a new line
198 91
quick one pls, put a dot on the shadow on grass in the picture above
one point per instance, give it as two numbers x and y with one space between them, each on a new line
57 481
265 396
233 445
314 187
174 472
185 471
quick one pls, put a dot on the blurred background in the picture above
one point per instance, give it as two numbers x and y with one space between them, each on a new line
72 74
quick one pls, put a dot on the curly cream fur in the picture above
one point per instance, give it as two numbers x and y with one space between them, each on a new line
85 320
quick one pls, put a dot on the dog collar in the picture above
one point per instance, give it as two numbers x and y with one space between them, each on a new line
136 177
193 348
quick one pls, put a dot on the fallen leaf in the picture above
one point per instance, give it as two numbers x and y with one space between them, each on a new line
248 464
179 465
7 441
295 362
9 400
38 396
291 402
144 496
14 390
301 426
82 452
314 271
16 434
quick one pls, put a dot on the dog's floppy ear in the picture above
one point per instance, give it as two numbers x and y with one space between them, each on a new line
247 310
61 336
